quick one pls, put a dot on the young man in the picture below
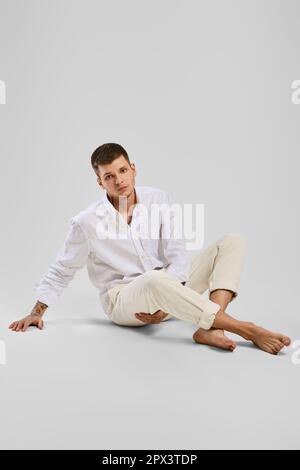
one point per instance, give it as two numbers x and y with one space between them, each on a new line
144 280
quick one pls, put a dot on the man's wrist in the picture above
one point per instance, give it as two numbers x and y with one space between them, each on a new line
39 309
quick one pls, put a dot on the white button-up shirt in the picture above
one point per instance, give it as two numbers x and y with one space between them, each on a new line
116 260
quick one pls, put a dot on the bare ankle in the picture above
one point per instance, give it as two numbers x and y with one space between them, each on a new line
248 330
226 322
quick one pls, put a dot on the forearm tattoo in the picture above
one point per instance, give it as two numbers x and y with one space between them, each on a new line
39 308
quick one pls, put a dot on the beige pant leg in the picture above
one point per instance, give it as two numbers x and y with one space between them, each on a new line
218 266
215 267
159 290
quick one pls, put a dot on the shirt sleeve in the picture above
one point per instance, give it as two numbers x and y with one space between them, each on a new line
72 256
173 240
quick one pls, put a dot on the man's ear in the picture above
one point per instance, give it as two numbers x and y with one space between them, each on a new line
133 167
99 181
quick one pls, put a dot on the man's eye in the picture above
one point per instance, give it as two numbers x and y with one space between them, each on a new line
124 169
108 177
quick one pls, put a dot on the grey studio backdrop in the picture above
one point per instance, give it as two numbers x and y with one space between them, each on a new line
199 93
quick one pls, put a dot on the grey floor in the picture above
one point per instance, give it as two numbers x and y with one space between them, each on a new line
86 383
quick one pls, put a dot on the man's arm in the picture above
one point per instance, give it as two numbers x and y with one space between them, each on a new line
173 241
174 251
71 257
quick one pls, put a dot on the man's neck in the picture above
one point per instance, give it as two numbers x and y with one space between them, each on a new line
131 200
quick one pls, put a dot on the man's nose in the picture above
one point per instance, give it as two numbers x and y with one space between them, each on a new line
119 182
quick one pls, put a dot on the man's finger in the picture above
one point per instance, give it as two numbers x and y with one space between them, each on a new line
143 314
19 326
143 317
25 326
40 324
147 317
156 317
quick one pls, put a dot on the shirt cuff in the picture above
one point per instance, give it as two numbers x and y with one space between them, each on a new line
46 298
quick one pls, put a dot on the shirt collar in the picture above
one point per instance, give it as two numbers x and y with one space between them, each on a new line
107 206
107 201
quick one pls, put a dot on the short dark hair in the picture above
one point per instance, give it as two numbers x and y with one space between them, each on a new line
106 154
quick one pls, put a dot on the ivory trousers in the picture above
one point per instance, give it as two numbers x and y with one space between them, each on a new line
216 267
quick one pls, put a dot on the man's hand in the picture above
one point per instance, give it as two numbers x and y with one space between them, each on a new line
34 318
156 317
22 325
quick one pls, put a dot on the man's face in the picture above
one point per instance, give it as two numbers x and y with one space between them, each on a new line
117 178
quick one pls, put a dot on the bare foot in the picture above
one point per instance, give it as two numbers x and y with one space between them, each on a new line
269 341
266 340
214 337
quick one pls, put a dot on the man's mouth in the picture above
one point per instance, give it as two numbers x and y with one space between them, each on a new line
122 189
